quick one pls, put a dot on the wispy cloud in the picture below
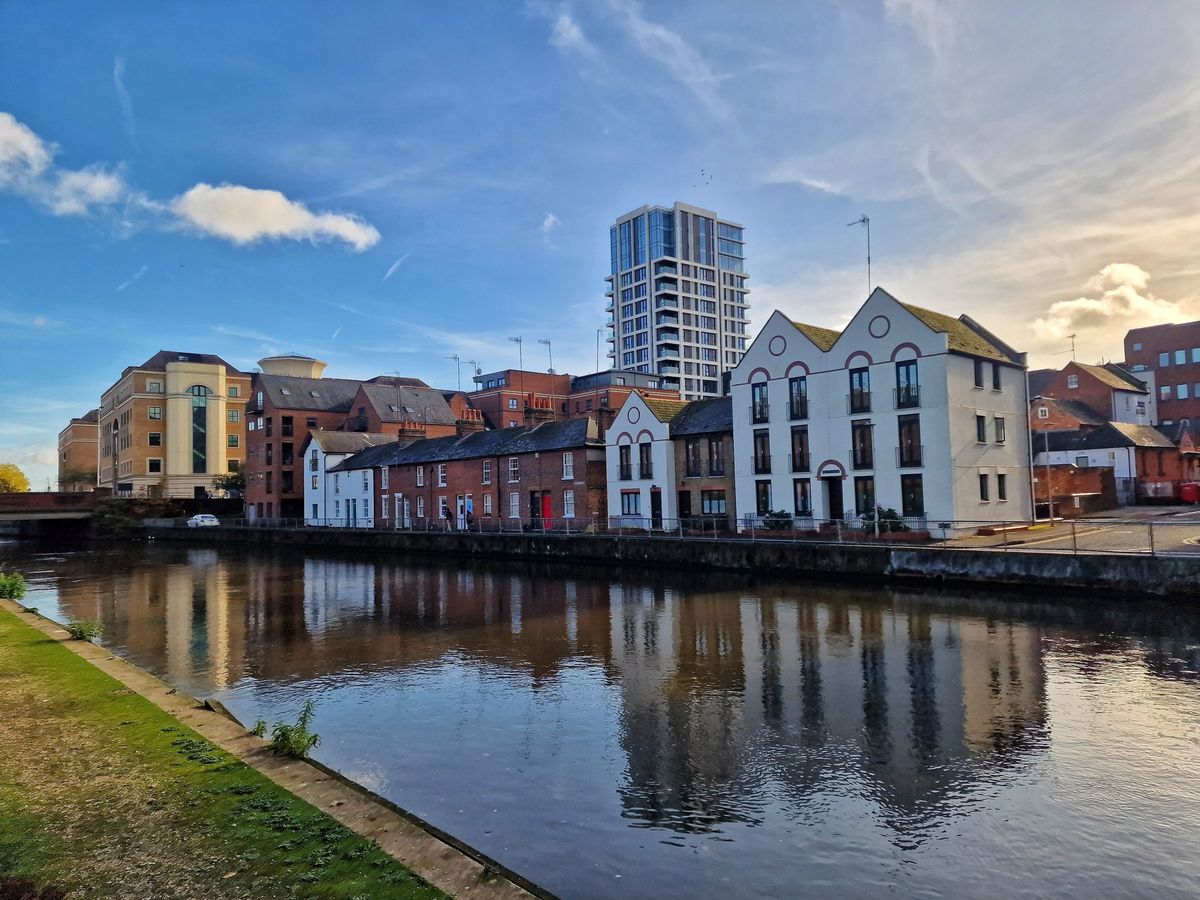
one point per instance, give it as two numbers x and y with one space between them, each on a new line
567 37
125 102
132 278
394 266
336 332
549 223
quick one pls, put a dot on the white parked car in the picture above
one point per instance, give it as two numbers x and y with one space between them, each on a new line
203 520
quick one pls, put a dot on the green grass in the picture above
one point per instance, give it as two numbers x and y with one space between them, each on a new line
104 794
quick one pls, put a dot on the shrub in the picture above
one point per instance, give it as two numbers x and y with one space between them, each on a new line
12 585
260 728
887 519
84 630
296 740
777 520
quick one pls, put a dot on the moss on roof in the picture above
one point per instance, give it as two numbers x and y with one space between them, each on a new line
824 338
962 338
664 410
1114 376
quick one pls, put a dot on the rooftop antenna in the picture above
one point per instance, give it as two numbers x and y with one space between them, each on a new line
1071 351
520 342
550 353
863 220
457 367
475 370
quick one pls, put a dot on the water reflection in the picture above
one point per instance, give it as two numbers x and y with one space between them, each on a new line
705 711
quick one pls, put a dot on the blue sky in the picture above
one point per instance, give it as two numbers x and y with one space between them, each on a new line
240 178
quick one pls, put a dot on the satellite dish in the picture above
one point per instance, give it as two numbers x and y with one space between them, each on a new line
478 371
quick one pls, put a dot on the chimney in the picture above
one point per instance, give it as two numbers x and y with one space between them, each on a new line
604 418
538 410
409 432
469 422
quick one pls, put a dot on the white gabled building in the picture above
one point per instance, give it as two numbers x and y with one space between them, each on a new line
339 500
640 463
904 408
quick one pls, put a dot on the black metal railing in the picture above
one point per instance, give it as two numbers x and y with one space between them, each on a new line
907 396
761 463
759 413
910 457
858 402
797 409
798 462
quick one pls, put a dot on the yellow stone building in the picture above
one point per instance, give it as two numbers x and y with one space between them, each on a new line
168 427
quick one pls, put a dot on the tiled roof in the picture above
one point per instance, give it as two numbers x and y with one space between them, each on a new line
1143 435
1114 376
824 338
1107 436
403 403
158 362
1077 409
92 415
308 394
664 410
561 435
347 441
1038 379
704 417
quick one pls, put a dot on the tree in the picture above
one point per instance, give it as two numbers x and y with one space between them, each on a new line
232 484
83 475
12 479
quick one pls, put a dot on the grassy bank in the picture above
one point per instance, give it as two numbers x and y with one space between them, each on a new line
104 795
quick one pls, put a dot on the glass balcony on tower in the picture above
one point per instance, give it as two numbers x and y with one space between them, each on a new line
668 368
665 286
666 303
666 352
669 318
665 270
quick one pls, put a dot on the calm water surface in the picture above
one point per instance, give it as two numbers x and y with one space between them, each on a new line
617 734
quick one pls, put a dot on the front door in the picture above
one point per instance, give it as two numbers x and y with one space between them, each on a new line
351 512
547 512
685 504
656 508
460 511
833 497
535 507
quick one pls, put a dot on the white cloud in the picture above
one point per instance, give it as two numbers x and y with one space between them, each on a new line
568 37
132 278
549 223
75 193
124 100
245 215
23 155
1120 299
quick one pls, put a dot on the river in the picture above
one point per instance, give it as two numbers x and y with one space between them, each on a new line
614 733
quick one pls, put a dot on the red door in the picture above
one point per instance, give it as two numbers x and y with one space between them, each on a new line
546 507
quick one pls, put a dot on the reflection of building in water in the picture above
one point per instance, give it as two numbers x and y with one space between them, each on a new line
725 702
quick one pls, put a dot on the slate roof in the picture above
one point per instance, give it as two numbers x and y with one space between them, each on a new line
664 410
704 417
1075 408
1114 376
1038 379
1106 436
562 435
158 362
347 441
90 417
407 403
295 392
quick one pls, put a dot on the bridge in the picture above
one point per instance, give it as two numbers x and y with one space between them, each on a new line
38 512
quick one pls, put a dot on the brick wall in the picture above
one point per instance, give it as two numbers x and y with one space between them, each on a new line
1067 481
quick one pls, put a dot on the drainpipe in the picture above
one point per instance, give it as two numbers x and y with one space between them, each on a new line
1029 437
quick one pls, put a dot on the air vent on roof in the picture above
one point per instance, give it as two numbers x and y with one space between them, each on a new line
315 393
285 392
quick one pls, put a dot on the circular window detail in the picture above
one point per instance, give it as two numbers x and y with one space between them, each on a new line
879 326
777 346
635 415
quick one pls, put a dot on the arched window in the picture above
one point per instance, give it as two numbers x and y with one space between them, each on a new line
200 395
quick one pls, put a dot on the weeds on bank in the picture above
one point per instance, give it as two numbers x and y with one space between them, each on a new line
292 740
84 630
12 585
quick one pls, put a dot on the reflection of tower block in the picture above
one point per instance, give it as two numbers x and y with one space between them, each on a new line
538 410
409 432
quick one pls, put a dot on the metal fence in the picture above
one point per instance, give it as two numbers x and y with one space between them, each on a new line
1171 536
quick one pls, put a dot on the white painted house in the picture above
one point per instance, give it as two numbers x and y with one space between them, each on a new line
338 500
640 463
904 408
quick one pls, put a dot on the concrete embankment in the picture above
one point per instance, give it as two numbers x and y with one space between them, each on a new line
1124 573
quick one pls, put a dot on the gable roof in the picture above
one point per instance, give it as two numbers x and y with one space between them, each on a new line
1077 409
403 402
308 394
346 441
1115 377
824 338
664 410
1038 379
1106 436
561 435
704 417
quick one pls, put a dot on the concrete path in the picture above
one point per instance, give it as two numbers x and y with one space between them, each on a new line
437 858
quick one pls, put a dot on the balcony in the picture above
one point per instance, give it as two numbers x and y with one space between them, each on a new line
665 287
668 369
665 270
910 457
858 402
760 413
668 319
666 303
797 410
646 471
667 353
907 397
798 463
760 464
863 459
609 307
625 473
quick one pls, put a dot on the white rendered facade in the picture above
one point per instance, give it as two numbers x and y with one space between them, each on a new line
339 499
677 296
904 409
640 495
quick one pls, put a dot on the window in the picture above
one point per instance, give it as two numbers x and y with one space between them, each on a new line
691 457
762 452
860 390
862 445
568 466
864 495
514 468
286 426
762 497
979 373
314 482
337 482
1181 391
1196 354
1164 393
420 507
983 487
441 475
1180 357
311 422
1081 462
153 466
1072 381
759 408
568 504
154 412
1164 359
798 397
233 440
366 482
908 392
1001 487
487 504
154 387
155 438
800 459
623 463
912 496
716 456
260 399
512 402
233 391
286 482
981 429
420 476
315 509
631 503
234 415
802 495
712 503
910 449
999 430
996 383
200 428
645 461
487 471
1043 412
